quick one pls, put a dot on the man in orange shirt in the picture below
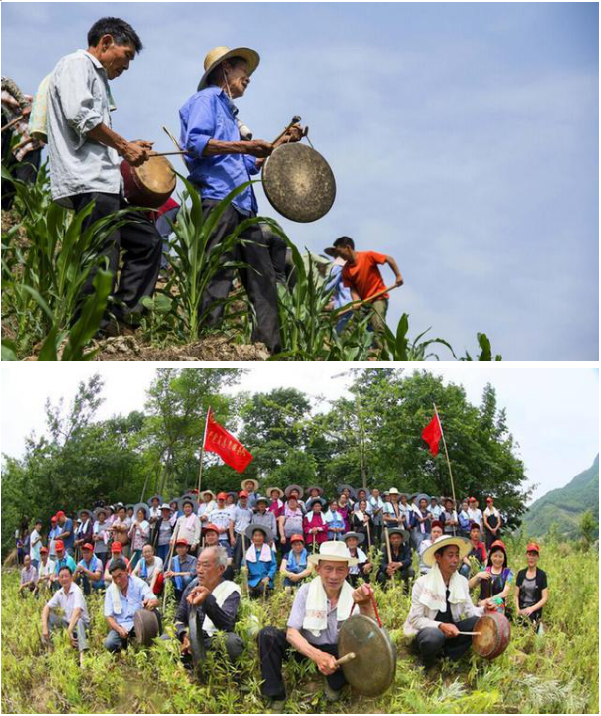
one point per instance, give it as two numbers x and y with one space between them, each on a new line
362 275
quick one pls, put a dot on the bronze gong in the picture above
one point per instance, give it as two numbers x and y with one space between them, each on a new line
299 183
371 671
146 626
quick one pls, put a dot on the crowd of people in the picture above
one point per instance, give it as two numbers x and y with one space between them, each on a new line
217 548
71 114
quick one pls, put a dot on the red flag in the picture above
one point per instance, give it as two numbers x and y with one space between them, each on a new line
219 441
432 434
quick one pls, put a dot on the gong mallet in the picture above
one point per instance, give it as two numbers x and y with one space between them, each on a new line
356 304
346 658
295 120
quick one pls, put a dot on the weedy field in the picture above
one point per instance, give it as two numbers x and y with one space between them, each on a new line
554 673
47 257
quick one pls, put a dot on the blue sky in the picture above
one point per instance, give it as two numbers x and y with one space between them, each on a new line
463 137
552 409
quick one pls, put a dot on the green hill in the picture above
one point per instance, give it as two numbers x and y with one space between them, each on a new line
565 505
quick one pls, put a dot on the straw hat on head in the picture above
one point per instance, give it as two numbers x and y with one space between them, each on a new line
254 482
358 535
290 488
444 541
334 551
252 527
206 492
219 54
269 490
393 491
399 531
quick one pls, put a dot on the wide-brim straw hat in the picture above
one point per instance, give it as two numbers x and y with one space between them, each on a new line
254 482
333 551
269 490
350 488
399 531
422 496
289 489
141 506
464 545
165 506
98 510
322 501
393 491
314 487
84 509
262 498
360 537
206 492
155 497
265 530
219 54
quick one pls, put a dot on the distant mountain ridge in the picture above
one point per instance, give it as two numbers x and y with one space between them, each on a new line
565 505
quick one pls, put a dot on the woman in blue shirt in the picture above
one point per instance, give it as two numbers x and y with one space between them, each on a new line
260 560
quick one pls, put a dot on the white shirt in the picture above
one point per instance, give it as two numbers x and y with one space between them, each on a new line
45 571
475 515
68 602
34 549
206 508
79 99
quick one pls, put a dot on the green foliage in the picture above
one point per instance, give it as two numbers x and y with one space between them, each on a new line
556 673
565 505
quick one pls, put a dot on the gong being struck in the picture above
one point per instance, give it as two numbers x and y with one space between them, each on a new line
367 655
299 183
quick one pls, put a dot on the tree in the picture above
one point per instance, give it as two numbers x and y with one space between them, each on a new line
588 529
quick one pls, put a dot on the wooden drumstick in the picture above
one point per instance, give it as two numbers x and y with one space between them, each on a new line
346 658
174 140
470 633
295 120
14 121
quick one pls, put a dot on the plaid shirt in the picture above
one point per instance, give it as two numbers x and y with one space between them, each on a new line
13 103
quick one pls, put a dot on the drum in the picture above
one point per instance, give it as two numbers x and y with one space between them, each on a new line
149 185
146 626
371 671
299 183
493 639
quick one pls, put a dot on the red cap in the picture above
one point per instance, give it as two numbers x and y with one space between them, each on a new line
489 499
116 547
59 544
87 545
243 493
222 496
60 513
498 543
297 538
211 527
533 547
181 540
44 550
436 523
473 499
53 518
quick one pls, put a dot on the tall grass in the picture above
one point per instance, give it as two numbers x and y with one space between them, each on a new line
556 673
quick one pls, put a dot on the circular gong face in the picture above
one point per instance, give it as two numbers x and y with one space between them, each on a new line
299 183
372 670
146 626
494 635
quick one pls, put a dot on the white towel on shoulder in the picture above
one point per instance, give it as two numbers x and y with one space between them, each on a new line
316 609
434 593
116 597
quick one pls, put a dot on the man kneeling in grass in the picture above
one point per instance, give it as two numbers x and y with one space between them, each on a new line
318 611
74 612
122 600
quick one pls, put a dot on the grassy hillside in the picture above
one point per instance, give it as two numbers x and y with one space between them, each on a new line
556 673
565 505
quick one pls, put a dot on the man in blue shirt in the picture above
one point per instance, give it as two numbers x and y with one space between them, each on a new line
222 157
122 600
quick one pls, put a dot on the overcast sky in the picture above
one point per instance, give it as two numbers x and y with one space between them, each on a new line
552 410
463 137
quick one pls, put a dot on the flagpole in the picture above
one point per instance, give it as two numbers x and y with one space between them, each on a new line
202 450
446 452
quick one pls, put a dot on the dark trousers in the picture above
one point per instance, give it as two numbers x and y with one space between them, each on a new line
26 171
431 642
141 258
258 280
405 575
274 649
260 590
237 558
